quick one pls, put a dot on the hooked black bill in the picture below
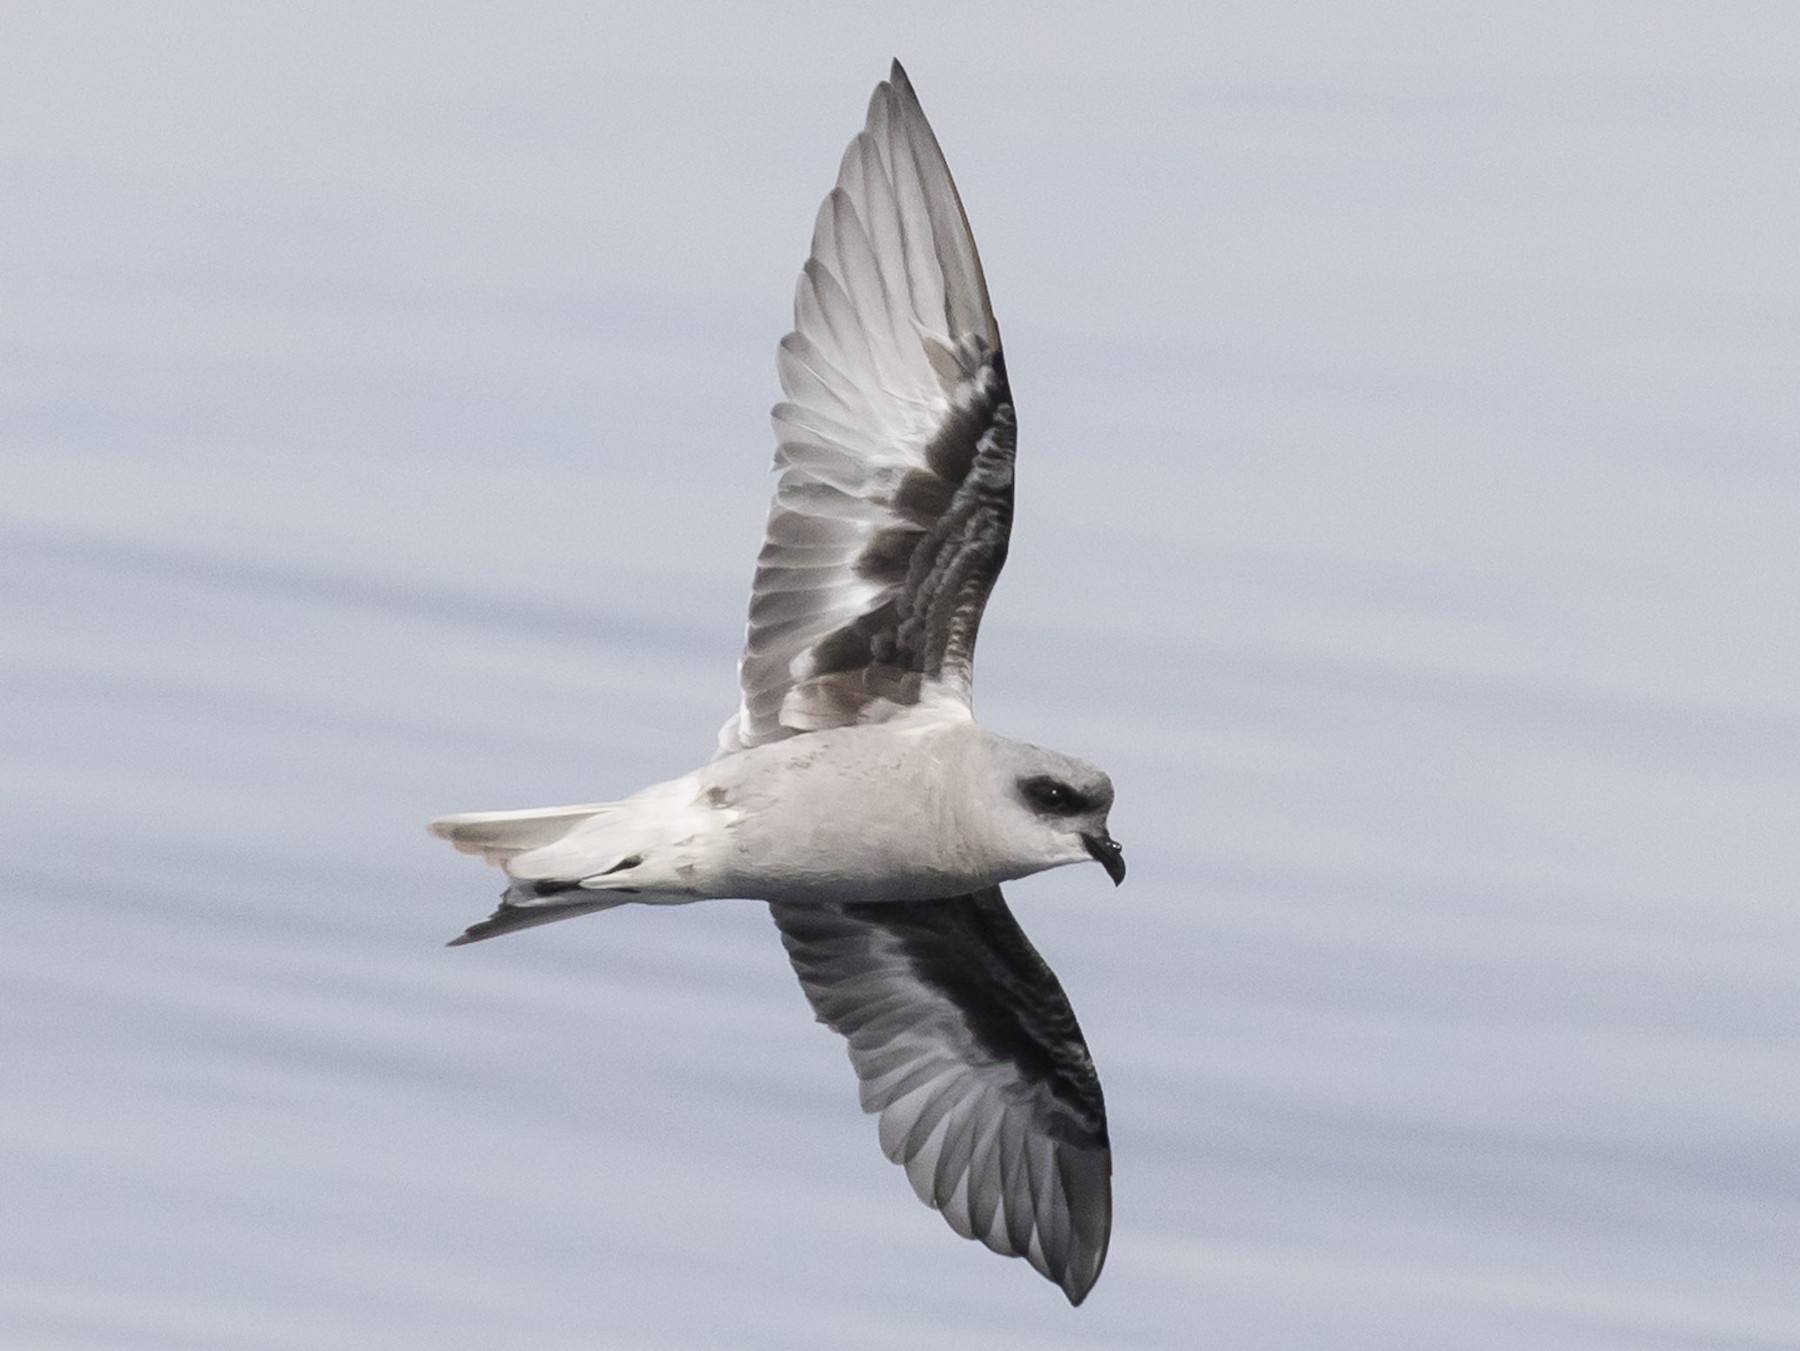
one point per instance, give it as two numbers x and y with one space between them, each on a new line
1110 854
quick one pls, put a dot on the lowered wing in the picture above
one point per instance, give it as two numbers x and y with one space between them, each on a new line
967 1048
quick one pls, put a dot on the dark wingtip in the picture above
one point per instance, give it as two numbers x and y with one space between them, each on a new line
1079 1278
1077 1283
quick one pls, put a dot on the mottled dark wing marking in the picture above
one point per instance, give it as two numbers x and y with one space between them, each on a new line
967 1048
895 447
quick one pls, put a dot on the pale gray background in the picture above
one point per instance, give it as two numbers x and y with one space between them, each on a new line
1408 502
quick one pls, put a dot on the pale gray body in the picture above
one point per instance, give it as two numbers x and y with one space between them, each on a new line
853 790
916 808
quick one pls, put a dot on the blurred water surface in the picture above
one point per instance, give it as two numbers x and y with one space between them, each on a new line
1408 507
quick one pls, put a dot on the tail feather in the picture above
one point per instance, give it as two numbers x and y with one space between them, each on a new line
541 896
500 836
567 861
527 904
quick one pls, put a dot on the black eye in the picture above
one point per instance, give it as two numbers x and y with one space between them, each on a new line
1052 795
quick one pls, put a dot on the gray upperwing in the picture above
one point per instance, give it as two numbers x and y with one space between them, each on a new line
967 1048
895 445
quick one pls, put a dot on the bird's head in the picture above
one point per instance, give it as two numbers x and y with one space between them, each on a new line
1058 807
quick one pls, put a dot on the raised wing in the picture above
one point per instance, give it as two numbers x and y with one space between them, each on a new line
895 447
967 1048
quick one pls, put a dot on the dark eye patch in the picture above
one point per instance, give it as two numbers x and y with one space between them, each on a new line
1053 796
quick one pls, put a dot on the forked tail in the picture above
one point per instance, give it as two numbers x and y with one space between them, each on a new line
500 837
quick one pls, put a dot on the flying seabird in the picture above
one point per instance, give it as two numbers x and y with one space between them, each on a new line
853 789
